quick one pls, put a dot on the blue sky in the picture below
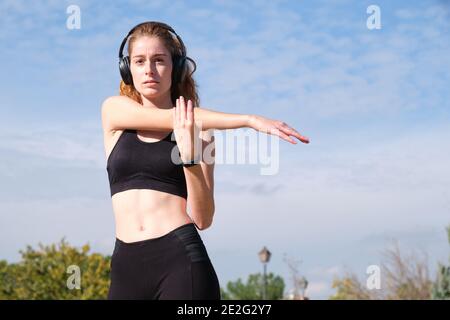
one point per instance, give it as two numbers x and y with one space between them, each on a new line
375 104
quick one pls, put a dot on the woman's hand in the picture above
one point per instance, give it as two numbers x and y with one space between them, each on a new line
276 127
185 130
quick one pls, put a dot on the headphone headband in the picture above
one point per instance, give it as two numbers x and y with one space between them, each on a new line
160 24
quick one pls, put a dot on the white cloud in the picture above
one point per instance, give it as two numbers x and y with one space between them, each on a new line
71 144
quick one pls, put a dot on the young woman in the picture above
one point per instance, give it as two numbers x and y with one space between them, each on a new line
150 136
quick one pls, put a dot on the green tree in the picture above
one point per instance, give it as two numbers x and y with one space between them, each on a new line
50 272
441 287
253 289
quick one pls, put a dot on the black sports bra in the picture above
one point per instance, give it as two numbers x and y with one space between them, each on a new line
136 164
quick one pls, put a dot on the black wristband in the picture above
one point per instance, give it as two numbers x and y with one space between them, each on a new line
190 163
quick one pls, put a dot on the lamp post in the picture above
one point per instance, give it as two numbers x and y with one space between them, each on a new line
302 284
264 256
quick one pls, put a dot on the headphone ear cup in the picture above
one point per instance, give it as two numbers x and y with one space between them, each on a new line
179 71
125 73
176 71
182 69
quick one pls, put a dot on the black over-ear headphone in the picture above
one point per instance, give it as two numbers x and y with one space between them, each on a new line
180 65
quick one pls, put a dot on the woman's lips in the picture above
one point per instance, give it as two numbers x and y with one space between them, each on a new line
150 83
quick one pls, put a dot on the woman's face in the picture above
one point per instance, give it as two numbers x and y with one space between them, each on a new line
150 60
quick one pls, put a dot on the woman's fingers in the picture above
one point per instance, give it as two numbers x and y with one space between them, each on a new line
178 111
285 132
285 136
294 132
182 111
174 112
291 131
190 114
300 137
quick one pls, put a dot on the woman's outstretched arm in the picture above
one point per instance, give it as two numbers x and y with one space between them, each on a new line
121 112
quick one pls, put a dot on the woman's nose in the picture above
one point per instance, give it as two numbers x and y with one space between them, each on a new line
149 68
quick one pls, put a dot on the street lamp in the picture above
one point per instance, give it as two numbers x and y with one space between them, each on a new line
264 256
302 285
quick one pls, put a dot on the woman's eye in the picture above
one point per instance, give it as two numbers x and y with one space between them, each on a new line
142 61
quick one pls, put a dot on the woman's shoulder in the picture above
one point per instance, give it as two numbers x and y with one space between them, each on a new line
114 100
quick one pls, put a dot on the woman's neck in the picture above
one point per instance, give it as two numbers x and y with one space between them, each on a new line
163 102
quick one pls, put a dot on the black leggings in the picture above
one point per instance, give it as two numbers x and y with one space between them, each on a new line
173 266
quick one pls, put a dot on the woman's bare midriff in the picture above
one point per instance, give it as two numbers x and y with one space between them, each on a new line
142 214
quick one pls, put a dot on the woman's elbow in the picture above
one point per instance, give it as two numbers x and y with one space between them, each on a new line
206 222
